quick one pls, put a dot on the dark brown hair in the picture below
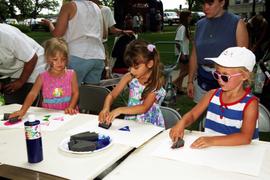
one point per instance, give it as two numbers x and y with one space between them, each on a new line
138 52
226 3
184 21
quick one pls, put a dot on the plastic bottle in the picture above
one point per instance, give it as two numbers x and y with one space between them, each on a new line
33 140
259 80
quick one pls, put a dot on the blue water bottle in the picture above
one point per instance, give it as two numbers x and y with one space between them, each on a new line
33 140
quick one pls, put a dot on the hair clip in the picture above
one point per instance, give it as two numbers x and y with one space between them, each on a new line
151 47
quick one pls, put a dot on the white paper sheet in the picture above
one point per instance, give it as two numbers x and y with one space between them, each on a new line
139 132
49 121
53 121
246 159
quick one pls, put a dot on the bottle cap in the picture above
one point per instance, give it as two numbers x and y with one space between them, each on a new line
31 118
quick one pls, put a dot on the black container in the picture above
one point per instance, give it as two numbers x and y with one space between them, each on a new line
33 141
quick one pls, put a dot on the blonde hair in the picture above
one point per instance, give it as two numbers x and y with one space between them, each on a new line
54 46
250 77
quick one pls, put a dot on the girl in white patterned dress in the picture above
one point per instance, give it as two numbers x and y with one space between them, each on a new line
145 84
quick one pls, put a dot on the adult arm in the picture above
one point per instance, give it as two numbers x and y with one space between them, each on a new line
117 31
192 71
67 12
242 39
29 99
27 71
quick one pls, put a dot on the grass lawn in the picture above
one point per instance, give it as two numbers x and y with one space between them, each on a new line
39 36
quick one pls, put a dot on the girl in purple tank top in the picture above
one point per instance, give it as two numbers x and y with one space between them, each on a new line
59 85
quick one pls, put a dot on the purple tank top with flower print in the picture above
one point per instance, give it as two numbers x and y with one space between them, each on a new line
56 91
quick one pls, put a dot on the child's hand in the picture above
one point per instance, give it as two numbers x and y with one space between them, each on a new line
18 114
202 142
103 115
70 111
112 115
176 132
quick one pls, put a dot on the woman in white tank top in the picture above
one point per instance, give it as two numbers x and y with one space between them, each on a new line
81 24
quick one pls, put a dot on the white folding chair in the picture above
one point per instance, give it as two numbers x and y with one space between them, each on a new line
264 119
171 116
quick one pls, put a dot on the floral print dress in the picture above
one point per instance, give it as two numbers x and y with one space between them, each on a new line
153 115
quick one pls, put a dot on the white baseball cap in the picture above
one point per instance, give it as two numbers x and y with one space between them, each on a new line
236 57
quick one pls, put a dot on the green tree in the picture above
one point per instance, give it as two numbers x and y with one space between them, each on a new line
25 8
104 2
195 5
44 4
108 2
4 12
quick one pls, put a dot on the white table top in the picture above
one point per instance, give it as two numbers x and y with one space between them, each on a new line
141 164
56 162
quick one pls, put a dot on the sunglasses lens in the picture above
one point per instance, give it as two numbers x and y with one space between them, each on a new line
215 74
224 78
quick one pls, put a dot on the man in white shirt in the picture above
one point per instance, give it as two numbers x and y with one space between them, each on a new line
109 22
21 59
109 27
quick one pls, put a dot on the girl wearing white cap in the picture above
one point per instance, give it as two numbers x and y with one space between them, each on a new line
232 110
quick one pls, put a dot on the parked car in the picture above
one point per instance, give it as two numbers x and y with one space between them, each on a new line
170 17
196 15
11 21
35 24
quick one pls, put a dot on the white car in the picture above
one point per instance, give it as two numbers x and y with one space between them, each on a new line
170 17
35 24
11 21
196 15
